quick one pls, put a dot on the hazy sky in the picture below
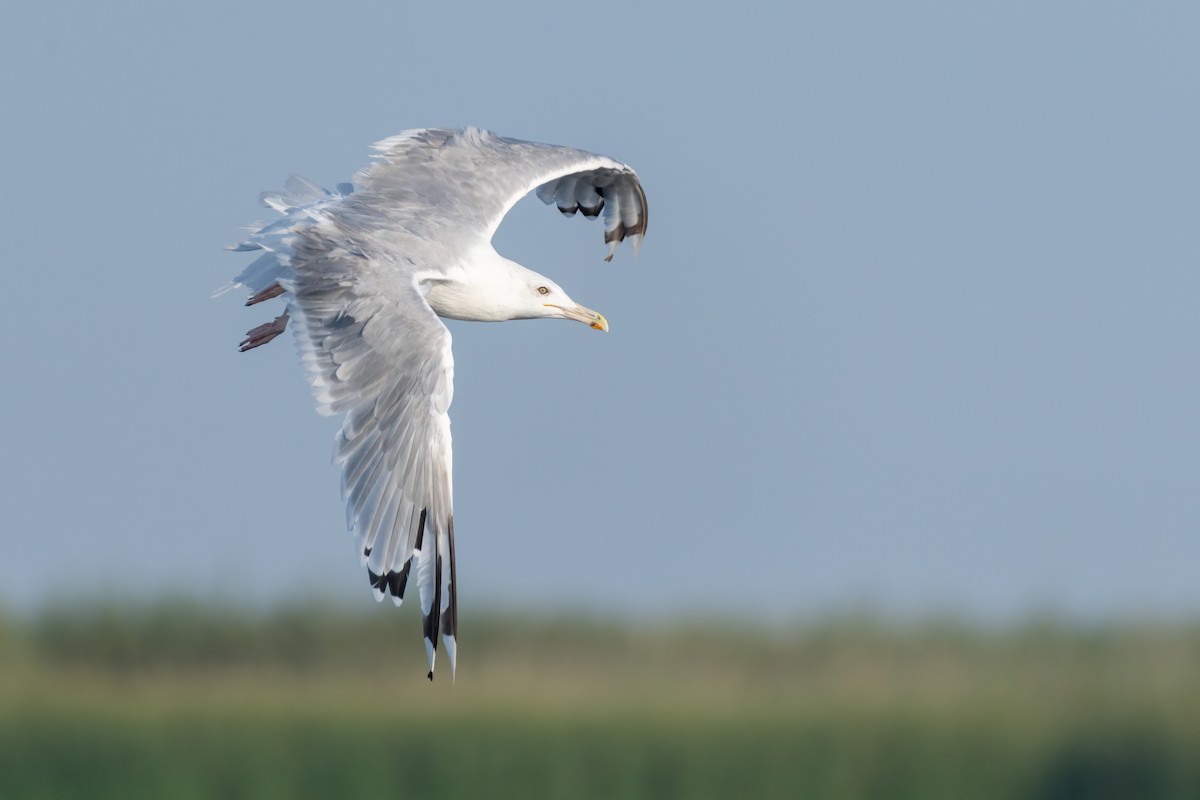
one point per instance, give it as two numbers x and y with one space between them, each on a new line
914 324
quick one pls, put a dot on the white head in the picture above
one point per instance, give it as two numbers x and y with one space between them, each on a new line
545 298
497 289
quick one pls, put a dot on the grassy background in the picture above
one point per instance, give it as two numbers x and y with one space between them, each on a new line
178 700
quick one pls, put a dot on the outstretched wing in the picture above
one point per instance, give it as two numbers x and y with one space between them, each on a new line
437 182
375 350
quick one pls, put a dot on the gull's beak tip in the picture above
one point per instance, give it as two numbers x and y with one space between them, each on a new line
593 319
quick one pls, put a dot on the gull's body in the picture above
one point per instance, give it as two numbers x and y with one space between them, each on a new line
367 271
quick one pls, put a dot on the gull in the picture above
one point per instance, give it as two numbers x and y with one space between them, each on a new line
367 270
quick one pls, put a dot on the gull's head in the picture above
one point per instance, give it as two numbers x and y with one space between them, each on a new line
553 303
497 289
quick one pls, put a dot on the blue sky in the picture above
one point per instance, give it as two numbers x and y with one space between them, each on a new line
913 326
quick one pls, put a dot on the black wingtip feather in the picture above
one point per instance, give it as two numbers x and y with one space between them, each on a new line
420 530
450 618
391 582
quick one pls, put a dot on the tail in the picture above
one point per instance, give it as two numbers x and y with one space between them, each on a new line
299 204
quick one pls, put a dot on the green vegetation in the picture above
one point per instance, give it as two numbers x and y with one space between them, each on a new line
181 701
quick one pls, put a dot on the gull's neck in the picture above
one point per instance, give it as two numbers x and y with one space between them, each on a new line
491 289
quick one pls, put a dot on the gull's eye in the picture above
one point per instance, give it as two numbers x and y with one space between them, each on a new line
543 290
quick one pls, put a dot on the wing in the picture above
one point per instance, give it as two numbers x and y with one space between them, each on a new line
375 350
457 185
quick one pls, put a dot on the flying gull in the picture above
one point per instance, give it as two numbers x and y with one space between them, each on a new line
367 270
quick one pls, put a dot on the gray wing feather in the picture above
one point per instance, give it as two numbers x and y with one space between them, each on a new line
457 185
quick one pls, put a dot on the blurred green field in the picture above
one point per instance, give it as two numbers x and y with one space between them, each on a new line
175 700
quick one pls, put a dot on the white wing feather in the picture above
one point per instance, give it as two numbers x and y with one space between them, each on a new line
375 351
